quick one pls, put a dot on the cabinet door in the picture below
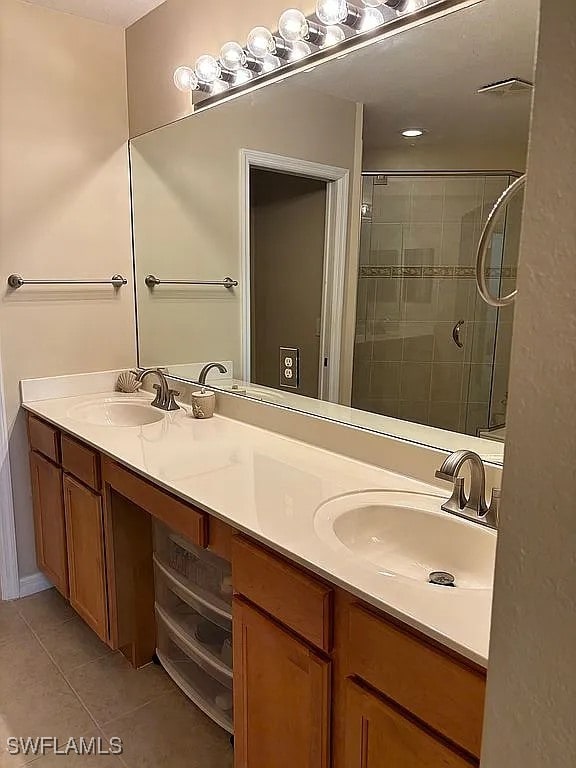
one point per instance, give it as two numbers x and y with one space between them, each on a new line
281 696
379 737
86 564
49 523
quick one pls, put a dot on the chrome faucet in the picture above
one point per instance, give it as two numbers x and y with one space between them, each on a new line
164 395
473 506
206 370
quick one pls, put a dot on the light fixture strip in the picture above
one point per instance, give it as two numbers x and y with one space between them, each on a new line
239 69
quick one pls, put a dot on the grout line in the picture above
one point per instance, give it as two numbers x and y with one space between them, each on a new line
108 723
68 683
60 670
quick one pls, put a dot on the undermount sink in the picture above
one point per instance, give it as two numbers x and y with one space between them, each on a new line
109 412
408 535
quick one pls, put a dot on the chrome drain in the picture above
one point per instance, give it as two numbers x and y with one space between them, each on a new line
441 579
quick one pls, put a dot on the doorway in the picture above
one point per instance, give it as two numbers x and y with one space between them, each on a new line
321 233
287 246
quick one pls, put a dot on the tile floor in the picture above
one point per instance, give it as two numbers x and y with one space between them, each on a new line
57 679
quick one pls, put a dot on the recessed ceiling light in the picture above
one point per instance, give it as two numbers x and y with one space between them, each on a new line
412 133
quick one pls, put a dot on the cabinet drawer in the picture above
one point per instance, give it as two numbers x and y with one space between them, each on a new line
183 518
193 675
44 438
437 688
298 601
81 461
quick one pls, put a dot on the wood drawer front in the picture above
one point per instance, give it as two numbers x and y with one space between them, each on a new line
292 597
183 518
81 461
44 438
436 688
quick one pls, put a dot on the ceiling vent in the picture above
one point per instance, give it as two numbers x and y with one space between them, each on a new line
509 87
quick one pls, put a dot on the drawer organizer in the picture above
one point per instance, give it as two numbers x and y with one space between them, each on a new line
194 622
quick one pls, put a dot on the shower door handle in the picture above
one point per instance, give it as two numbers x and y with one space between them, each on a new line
456 334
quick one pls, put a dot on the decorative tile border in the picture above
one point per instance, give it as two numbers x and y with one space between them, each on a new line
437 271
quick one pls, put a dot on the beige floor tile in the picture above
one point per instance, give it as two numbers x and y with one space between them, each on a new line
23 663
47 707
110 687
12 625
172 732
46 609
72 644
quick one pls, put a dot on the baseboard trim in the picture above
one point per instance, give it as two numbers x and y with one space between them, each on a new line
36 582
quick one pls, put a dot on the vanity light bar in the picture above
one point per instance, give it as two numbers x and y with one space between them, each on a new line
297 38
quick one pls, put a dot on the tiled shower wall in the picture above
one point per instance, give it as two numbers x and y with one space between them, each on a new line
416 281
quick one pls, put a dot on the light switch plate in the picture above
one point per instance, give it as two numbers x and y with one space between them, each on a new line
289 367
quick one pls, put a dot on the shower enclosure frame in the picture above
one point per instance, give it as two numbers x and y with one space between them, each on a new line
464 173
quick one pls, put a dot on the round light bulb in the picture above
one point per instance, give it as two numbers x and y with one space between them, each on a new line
293 25
219 86
270 63
300 50
207 69
331 11
232 56
410 6
371 18
185 79
412 133
333 36
242 76
261 42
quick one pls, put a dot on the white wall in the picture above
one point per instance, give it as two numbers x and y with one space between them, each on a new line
64 211
531 701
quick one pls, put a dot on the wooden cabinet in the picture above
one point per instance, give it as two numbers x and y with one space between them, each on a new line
281 696
49 523
320 678
418 673
296 599
377 736
86 560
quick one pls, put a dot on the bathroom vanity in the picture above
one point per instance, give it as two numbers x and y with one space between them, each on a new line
334 663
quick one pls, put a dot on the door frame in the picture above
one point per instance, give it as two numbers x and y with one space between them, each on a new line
335 253
9 578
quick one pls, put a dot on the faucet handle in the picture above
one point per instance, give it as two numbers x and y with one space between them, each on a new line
171 404
158 401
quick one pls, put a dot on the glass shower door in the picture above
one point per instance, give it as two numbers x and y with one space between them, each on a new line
425 343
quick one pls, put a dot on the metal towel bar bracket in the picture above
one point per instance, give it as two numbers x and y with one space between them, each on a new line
17 281
152 281
485 240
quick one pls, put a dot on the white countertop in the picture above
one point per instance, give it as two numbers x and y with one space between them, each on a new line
270 487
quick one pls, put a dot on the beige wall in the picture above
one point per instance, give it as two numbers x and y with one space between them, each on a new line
414 157
186 183
176 33
64 210
532 677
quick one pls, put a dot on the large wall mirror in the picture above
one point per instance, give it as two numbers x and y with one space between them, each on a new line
297 237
